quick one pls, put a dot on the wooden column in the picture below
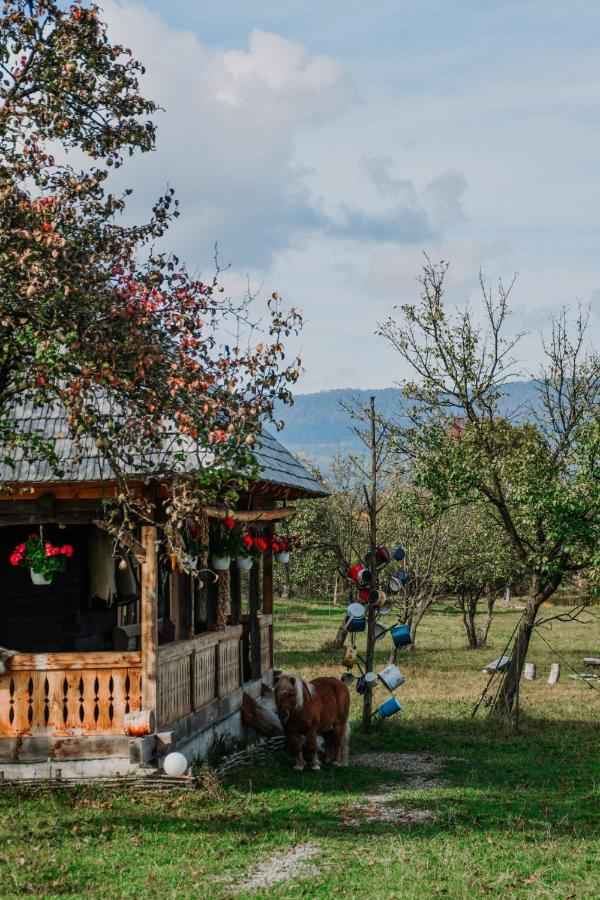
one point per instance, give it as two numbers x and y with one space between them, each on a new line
267 606
174 605
149 623
254 629
268 596
235 587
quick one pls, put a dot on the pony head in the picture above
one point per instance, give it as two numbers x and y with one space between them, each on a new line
289 693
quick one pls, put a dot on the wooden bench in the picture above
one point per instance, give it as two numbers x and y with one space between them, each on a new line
127 637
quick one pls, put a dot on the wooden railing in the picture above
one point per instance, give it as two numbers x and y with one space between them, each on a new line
193 673
68 693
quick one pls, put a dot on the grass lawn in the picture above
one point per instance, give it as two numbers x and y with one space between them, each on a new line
507 815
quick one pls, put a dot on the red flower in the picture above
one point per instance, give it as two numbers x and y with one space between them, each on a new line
15 559
261 544
66 550
229 523
20 548
275 547
249 541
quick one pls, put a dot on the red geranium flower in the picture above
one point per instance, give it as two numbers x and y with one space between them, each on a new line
229 523
261 544
66 550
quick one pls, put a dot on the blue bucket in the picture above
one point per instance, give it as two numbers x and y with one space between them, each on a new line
401 635
357 624
399 554
389 708
361 685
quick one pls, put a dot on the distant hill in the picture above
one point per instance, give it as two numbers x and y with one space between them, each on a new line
317 426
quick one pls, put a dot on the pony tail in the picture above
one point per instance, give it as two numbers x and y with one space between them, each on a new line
346 743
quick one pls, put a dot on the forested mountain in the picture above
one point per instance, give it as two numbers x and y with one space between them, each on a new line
317 426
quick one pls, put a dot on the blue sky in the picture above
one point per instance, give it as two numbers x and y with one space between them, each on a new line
326 146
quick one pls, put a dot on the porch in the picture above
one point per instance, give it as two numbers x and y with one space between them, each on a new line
66 706
61 708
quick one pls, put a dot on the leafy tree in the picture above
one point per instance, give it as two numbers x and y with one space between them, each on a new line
92 317
537 476
480 562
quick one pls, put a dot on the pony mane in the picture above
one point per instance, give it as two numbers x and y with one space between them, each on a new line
300 684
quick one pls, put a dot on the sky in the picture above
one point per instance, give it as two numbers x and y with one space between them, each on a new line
325 147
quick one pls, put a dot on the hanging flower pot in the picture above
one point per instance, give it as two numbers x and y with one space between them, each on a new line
224 544
281 547
244 563
39 578
42 558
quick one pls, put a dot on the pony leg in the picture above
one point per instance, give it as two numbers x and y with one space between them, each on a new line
313 750
330 747
296 745
342 738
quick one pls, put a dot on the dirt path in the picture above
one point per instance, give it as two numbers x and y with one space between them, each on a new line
283 865
384 807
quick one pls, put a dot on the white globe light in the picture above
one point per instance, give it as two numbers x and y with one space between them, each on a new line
175 764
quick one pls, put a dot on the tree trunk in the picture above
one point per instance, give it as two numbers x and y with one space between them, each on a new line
490 600
335 589
468 618
510 684
417 615
340 638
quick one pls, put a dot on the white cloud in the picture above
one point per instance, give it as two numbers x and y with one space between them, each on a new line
326 177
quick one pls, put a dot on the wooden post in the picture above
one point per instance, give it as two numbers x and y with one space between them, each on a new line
254 628
235 588
268 597
149 622
554 673
174 604
267 606
372 613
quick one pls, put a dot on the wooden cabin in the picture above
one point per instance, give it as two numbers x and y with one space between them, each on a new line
75 665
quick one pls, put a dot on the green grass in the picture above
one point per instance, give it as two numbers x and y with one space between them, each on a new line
518 815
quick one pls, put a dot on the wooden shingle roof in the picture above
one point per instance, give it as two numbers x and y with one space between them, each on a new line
82 461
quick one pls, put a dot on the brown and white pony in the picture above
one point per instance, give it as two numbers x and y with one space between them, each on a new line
310 708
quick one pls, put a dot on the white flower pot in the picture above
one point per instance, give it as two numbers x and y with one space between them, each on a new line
283 557
244 563
220 563
191 561
38 578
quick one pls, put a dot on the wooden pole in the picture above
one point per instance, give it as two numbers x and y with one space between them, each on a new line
235 588
254 603
371 618
268 596
149 622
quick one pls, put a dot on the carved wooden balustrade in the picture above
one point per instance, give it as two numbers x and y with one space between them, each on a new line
195 672
68 693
